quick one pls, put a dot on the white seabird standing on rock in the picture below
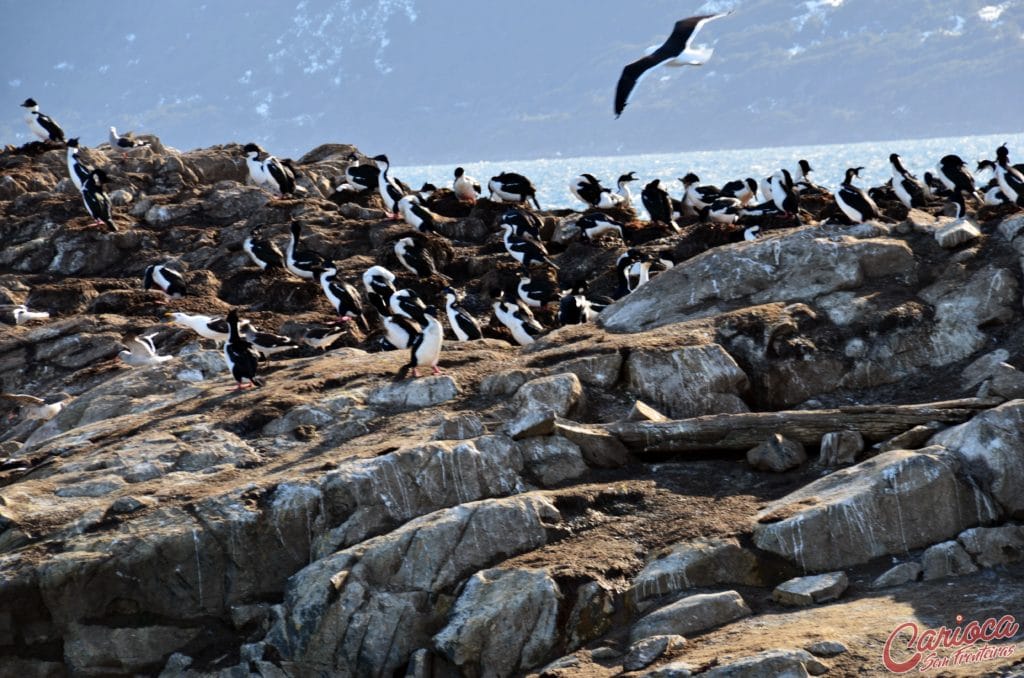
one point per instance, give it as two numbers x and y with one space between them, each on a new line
390 191
270 171
301 263
124 142
205 326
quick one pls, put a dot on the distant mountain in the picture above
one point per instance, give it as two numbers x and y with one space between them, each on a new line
443 81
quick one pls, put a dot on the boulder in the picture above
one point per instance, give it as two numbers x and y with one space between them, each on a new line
591 614
504 621
800 264
886 505
693 564
600 370
956 233
552 459
415 394
988 446
983 368
687 382
94 649
600 449
840 448
460 427
991 546
692 614
827 648
770 664
1007 381
365 609
803 591
898 575
538 402
777 454
912 438
644 652
948 559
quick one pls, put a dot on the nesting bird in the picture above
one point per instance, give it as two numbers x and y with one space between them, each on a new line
269 171
526 252
414 256
853 201
518 319
22 315
512 187
301 263
343 297
40 124
464 326
165 280
465 187
905 185
77 169
33 407
264 253
390 190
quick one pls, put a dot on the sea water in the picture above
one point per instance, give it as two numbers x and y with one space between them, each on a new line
551 176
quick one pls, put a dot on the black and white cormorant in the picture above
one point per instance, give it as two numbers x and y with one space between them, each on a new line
243 360
464 326
40 124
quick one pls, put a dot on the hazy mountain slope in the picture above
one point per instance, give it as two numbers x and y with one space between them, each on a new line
439 81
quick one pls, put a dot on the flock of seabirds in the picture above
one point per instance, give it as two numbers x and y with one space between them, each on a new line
409 323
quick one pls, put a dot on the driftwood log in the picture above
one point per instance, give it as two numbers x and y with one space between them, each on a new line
740 432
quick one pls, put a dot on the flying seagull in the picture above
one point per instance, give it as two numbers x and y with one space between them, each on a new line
674 52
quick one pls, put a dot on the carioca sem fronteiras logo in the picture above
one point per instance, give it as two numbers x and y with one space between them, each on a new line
909 647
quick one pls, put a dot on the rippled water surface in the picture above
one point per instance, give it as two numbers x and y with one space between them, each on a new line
551 176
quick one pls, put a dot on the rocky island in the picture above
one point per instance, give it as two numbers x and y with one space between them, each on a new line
760 463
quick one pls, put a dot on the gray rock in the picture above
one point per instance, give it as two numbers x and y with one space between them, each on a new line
140 473
803 591
983 368
531 423
797 265
913 438
1008 381
414 394
93 648
898 575
991 546
691 564
641 411
678 669
365 609
956 234
552 459
600 370
1010 228
692 614
777 454
560 394
947 559
600 449
826 648
504 621
644 652
460 427
591 614
124 505
505 383
840 448
96 488
770 664
889 504
989 448
688 381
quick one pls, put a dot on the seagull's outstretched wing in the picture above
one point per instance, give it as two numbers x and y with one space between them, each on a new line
22 399
678 42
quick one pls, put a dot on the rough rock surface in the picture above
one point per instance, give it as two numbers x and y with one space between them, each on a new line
490 518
